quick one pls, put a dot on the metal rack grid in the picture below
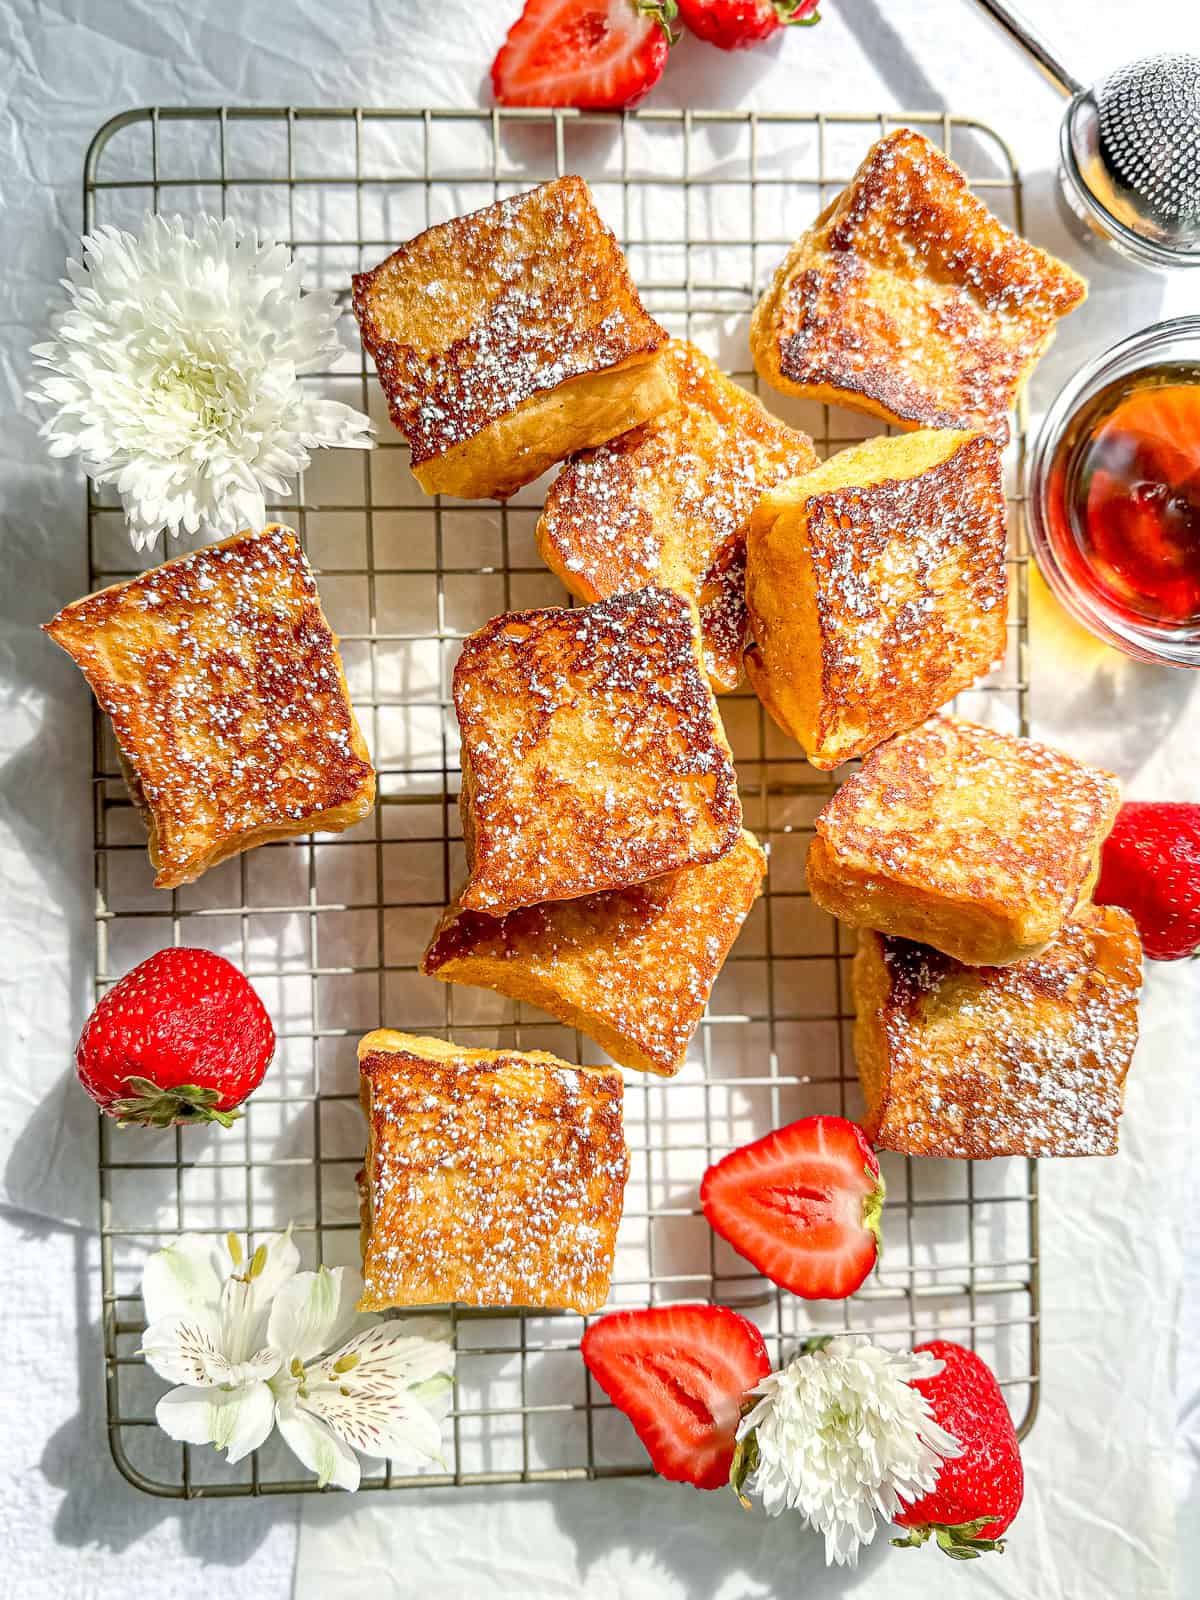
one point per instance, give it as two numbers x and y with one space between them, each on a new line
330 929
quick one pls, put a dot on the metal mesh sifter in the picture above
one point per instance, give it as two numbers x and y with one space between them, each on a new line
1129 148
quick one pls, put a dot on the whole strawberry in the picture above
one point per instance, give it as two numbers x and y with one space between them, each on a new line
738 24
597 55
978 1493
1150 865
182 1038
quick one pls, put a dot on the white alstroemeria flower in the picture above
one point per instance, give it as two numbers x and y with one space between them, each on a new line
206 1313
246 1341
840 1435
383 1392
174 369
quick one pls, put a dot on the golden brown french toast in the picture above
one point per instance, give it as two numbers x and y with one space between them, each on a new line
508 338
492 1177
227 698
959 837
1023 1060
877 588
668 503
909 300
632 968
593 756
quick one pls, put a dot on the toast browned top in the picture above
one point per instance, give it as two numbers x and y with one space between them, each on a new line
225 690
633 967
593 756
492 1177
477 315
908 294
669 502
877 587
1026 1059
956 809
949 519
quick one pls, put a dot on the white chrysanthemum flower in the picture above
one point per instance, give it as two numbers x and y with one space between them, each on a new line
840 1435
174 373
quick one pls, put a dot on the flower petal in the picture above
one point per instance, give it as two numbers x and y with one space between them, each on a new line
393 1425
386 1390
404 1351
235 1420
282 1262
247 1295
304 1316
181 1278
842 1437
319 1448
190 1350
184 1349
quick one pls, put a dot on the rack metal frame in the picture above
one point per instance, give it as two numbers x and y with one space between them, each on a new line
672 180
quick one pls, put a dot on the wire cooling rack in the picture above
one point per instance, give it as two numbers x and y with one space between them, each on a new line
330 929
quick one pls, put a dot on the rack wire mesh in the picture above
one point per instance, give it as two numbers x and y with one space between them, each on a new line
330 929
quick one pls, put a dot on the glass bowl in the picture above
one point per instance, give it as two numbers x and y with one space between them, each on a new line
1059 554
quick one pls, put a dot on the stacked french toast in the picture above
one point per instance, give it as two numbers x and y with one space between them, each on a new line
609 871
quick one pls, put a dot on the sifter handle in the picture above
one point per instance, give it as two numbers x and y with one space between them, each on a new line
1036 46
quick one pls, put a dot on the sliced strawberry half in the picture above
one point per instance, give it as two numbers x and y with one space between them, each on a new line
598 55
680 1374
803 1205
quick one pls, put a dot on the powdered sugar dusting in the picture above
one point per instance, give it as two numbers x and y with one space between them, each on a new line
593 756
911 295
1028 1059
911 592
492 1182
669 502
475 316
961 810
224 686
724 619
633 968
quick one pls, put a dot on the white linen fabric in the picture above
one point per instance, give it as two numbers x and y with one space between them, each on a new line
1121 1259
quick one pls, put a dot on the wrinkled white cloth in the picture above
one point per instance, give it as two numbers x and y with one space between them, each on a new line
1099 1513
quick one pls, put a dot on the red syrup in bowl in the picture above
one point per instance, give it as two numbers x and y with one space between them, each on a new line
1123 497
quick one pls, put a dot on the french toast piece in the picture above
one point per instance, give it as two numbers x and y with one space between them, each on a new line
492 1177
908 300
593 756
877 588
508 338
668 503
1024 1060
227 698
968 840
633 968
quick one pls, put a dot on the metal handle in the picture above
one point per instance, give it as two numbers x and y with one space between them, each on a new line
1036 46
